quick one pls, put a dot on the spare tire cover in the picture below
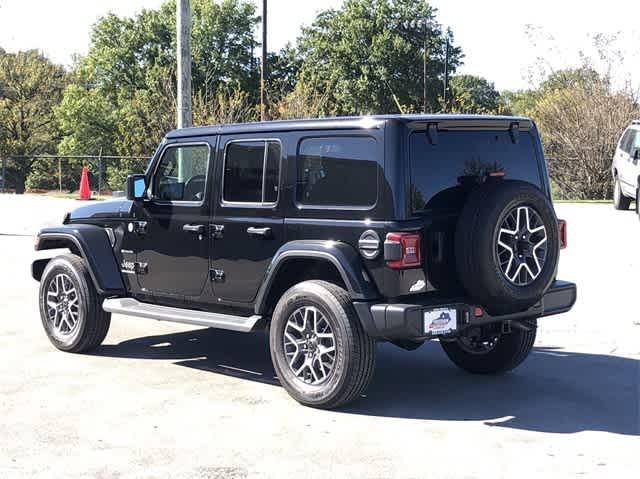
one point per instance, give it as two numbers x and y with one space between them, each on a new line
506 245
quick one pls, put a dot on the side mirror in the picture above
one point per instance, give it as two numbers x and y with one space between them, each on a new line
136 187
636 154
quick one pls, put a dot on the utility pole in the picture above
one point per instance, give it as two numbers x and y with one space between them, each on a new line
423 24
263 63
183 30
424 68
446 74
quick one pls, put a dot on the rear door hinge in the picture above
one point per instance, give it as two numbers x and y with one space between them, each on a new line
217 231
139 227
141 268
216 275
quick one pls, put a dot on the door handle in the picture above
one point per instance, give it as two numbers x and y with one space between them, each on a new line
198 229
264 232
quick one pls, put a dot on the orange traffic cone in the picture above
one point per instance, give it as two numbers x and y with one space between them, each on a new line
85 192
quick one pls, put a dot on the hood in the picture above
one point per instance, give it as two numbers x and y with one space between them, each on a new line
119 208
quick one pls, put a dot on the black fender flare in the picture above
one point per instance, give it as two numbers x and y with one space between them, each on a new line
93 244
341 255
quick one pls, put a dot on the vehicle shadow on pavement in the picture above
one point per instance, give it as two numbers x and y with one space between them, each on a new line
553 391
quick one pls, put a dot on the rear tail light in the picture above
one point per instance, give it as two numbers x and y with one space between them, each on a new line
562 233
402 250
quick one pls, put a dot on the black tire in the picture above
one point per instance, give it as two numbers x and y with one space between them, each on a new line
477 233
355 351
620 201
508 353
92 323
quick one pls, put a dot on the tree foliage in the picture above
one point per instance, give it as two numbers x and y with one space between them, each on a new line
30 87
476 95
123 98
368 58
580 114
580 125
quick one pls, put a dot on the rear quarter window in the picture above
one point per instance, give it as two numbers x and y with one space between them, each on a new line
339 172
442 174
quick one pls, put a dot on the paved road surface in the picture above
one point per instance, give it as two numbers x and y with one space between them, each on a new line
161 400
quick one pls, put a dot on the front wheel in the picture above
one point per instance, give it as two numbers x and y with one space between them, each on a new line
70 307
620 202
492 354
320 352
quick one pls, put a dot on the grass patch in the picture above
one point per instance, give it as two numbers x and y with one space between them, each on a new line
594 202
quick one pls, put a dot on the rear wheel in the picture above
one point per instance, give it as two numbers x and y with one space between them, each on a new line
319 349
492 353
620 201
70 307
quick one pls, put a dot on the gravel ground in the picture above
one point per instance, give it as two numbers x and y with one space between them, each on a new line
162 400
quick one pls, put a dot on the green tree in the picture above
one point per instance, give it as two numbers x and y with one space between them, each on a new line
283 69
473 94
129 77
30 87
523 102
369 59
131 54
88 124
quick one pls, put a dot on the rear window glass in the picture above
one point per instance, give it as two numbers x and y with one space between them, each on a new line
337 171
442 174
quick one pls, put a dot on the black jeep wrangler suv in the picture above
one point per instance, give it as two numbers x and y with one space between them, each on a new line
334 233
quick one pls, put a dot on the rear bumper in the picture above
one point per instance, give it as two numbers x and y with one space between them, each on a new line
405 321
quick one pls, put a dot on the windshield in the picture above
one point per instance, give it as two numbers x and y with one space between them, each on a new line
442 174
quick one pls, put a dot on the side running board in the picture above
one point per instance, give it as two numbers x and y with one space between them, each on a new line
133 307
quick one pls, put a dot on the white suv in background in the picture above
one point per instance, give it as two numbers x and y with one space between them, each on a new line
626 168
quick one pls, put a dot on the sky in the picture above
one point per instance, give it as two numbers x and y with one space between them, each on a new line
492 33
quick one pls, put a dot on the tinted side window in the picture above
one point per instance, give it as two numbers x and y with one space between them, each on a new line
251 172
624 141
337 171
182 173
628 140
272 173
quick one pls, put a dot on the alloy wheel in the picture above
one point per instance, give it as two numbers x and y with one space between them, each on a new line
310 345
63 305
521 247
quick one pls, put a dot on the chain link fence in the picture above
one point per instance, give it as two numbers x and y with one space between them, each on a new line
61 173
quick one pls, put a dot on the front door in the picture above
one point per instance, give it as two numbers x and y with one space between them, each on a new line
173 259
248 216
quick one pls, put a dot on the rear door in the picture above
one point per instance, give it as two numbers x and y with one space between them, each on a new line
248 221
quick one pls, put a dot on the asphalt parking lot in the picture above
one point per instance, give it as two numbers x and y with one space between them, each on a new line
163 400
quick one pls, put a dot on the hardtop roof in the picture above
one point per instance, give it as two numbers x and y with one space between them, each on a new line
345 122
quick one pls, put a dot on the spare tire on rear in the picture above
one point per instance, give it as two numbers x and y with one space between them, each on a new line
507 245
